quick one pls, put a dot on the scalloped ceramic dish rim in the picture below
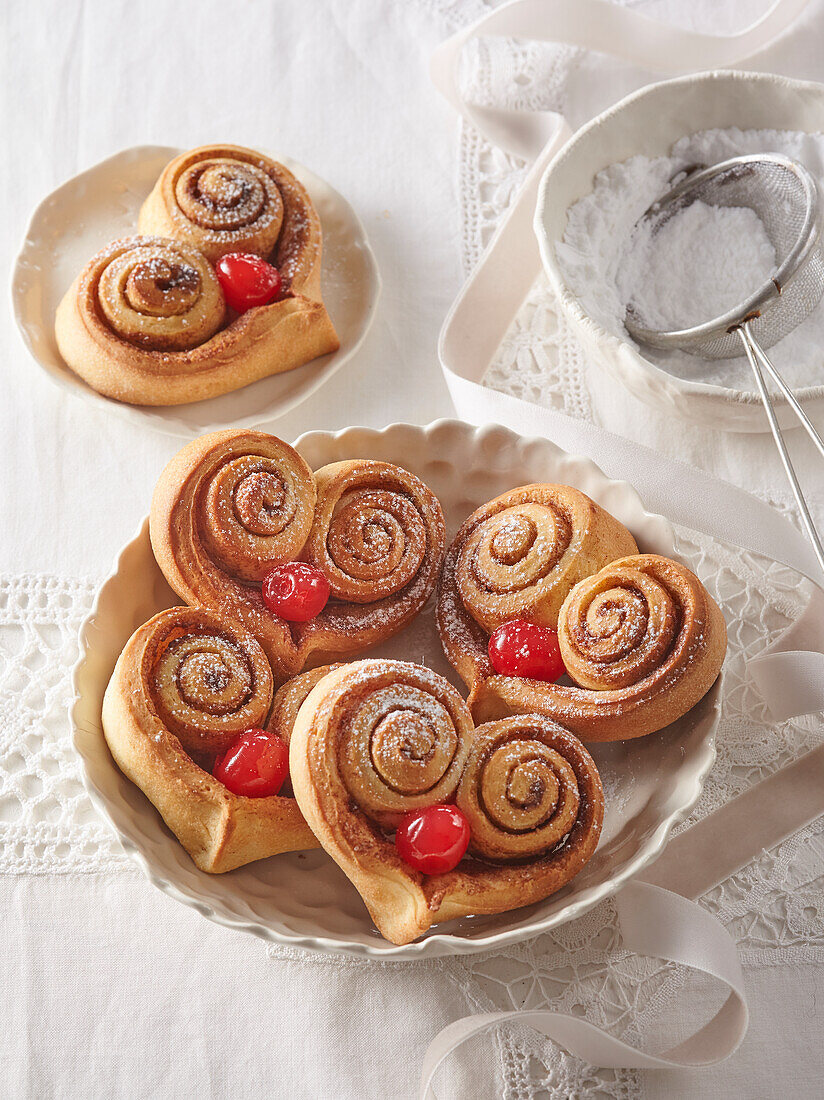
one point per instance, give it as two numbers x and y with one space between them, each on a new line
436 944
72 383
592 331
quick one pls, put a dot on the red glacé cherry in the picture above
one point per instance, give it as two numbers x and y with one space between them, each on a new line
518 648
295 591
433 840
247 280
256 764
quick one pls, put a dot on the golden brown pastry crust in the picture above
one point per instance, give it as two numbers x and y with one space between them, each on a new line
518 556
374 529
191 670
226 198
375 739
140 370
289 698
642 639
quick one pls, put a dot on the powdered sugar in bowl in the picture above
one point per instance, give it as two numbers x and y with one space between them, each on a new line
603 180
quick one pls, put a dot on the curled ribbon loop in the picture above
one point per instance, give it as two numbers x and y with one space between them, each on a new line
652 922
593 25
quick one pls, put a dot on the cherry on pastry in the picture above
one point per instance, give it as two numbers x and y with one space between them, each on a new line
256 764
295 591
433 840
519 648
247 280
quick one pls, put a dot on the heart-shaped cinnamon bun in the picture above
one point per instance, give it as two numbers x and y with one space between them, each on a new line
231 505
641 640
186 684
377 739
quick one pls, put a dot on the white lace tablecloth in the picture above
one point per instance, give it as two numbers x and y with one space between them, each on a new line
112 989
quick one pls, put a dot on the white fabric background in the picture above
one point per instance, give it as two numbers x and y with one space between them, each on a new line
580 85
110 988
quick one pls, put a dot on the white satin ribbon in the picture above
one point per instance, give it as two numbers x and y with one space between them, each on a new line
654 922
594 25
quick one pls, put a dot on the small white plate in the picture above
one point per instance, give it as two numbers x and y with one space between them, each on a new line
303 898
102 204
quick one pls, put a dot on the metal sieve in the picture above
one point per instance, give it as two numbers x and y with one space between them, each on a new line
784 196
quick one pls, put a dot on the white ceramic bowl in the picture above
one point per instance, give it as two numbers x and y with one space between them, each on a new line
101 204
649 122
303 898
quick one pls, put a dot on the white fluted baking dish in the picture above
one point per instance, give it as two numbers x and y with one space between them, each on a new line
303 898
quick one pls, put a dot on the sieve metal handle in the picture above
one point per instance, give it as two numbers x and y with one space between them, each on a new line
792 400
757 357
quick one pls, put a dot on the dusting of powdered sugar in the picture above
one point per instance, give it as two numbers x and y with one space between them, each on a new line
717 256
703 261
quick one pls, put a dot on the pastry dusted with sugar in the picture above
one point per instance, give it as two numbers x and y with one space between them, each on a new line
225 198
378 744
220 289
518 556
640 640
187 686
235 509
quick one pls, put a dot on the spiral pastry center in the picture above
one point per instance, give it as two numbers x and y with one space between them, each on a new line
161 288
159 295
411 738
528 784
257 511
376 542
509 562
227 195
400 749
616 621
525 785
210 674
524 788
207 686
513 540
221 189
263 504
616 628
517 547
